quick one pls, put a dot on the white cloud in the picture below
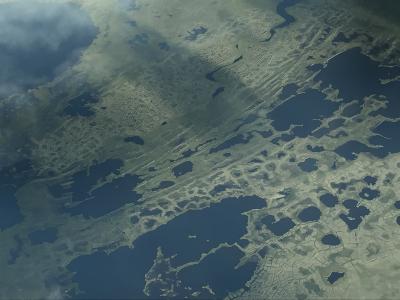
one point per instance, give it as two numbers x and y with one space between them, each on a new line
36 38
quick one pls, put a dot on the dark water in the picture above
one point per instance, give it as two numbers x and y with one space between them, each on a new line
219 188
218 91
283 137
315 67
288 90
108 197
278 227
267 133
335 276
81 105
182 169
121 273
48 235
330 240
369 194
329 200
309 165
9 210
83 181
356 76
218 269
350 149
383 143
134 139
236 140
310 214
189 152
38 40
292 112
355 214
315 148
288 19
352 110
93 201
164 184
332 125
370 180
11 178
386 138
397 204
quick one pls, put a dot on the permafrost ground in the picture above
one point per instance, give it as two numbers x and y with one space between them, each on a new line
190 152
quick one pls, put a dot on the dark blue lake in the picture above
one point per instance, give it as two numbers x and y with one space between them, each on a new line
48 235
310 214
92 196
329 200
11 178
184 239
355 215
182 168
309 165
278 227
330 240
292 112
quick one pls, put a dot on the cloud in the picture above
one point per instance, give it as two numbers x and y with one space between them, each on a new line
38 40
55 294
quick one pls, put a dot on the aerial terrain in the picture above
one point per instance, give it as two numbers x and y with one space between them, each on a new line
211 149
